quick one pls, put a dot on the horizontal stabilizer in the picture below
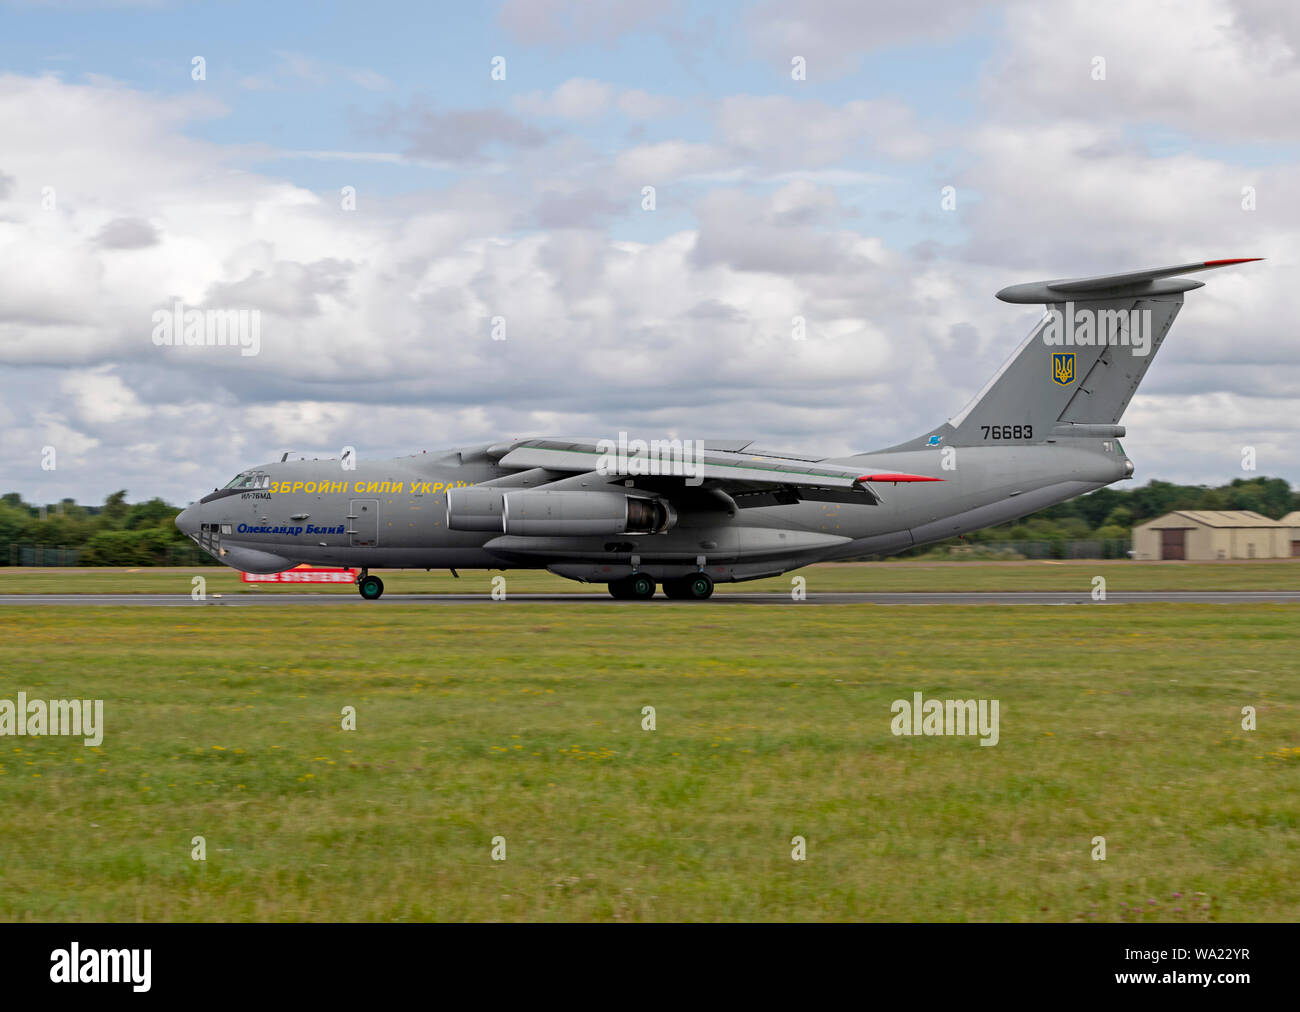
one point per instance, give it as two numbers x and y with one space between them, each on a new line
1115 286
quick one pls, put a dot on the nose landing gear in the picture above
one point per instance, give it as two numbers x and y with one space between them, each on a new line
370 587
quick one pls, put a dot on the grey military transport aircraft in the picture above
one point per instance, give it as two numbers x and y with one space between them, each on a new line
689 514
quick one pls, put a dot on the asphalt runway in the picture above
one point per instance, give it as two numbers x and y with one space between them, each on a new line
256 600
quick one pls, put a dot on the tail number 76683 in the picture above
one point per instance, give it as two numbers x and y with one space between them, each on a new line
1008 431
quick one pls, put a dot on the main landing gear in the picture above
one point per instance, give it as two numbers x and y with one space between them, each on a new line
639 587
370 587
696 587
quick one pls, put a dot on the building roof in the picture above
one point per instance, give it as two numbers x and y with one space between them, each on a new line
1221 518
1292 519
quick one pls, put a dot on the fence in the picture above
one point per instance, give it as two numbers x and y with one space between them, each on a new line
1111 548
42 555
52 555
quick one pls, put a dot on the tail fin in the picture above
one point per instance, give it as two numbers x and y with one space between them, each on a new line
1078 369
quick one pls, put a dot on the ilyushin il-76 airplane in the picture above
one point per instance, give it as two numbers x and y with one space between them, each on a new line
687 514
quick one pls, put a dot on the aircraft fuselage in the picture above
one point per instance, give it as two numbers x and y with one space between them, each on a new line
393 514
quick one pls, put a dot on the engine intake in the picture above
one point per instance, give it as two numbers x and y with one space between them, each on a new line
475 509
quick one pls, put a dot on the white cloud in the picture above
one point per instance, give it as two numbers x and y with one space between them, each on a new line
664 161
1228 69
99 397
560 22
835 36
581 98
578 98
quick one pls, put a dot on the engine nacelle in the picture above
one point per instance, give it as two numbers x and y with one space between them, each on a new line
475 509
546 513
542 513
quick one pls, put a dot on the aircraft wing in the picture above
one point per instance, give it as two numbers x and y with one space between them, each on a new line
742 474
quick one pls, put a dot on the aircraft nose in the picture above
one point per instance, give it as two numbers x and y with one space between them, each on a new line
187 523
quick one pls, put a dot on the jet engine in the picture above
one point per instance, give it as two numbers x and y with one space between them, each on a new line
546 513
475 509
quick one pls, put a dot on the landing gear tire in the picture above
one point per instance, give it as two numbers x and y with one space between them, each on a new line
637 587
696 587
370 587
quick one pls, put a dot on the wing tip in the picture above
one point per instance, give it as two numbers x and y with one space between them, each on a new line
896 477
1233 260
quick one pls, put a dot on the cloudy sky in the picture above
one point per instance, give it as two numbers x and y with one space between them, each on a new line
498 156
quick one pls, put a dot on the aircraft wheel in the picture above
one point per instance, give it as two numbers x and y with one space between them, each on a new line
699 587
696 587
637 587
640 587
370 587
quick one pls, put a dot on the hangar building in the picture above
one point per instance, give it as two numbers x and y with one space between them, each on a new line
1208 535
1292 520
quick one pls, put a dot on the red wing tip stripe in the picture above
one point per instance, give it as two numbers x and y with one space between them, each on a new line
1238 260
897 477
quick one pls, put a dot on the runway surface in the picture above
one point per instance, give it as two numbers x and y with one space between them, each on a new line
258 600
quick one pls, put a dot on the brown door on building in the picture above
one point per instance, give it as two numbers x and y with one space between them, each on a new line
1173 544
1295 549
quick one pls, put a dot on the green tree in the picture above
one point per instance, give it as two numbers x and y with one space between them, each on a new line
1120 516
154 513
116 508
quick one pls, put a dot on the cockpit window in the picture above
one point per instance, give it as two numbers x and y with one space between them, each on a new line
250 479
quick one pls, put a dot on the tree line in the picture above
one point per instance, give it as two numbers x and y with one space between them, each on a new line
1110 514
117 533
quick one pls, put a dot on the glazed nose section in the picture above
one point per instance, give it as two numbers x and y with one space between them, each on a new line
187 522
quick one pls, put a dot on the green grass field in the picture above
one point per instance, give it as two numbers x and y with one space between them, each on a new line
872 576
525 722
